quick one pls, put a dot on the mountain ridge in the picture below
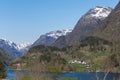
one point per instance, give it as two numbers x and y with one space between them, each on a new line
85 26
49 38
13 49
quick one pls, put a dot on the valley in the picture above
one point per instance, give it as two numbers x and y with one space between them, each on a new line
91 49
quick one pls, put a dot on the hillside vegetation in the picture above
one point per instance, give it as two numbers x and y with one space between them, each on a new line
95 52
7 59
2 70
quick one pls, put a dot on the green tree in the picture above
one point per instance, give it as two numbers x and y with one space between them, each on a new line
2 70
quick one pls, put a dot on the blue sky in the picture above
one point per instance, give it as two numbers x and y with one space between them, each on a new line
26 20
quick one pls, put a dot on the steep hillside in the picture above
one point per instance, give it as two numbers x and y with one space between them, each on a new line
110 28
86 25
60 42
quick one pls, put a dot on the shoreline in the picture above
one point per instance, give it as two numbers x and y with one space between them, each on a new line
66 71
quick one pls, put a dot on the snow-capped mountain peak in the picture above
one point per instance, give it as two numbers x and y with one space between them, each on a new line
85 26
23 45
58 33
99 12
49 38
7 42
13 49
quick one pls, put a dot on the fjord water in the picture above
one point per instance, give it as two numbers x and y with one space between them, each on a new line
73 75
88 76
10 75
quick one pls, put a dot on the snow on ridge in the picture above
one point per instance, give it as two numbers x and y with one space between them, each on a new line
58 33
7 42
23 45
12 44
99 12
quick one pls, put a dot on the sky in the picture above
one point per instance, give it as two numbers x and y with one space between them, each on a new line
25 20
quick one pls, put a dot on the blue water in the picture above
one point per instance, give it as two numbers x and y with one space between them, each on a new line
10 75
87 76
74 75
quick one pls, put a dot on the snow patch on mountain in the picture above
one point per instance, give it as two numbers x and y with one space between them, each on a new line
99 12
58 33
4 41
23 45
13 49
49 38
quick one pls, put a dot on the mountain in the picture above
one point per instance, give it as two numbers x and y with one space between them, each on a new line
9 47
14 50
23 47
110 28
60 42
49 38
86 25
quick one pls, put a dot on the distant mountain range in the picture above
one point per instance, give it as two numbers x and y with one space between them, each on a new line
23 47
17 50
87 24
14 50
